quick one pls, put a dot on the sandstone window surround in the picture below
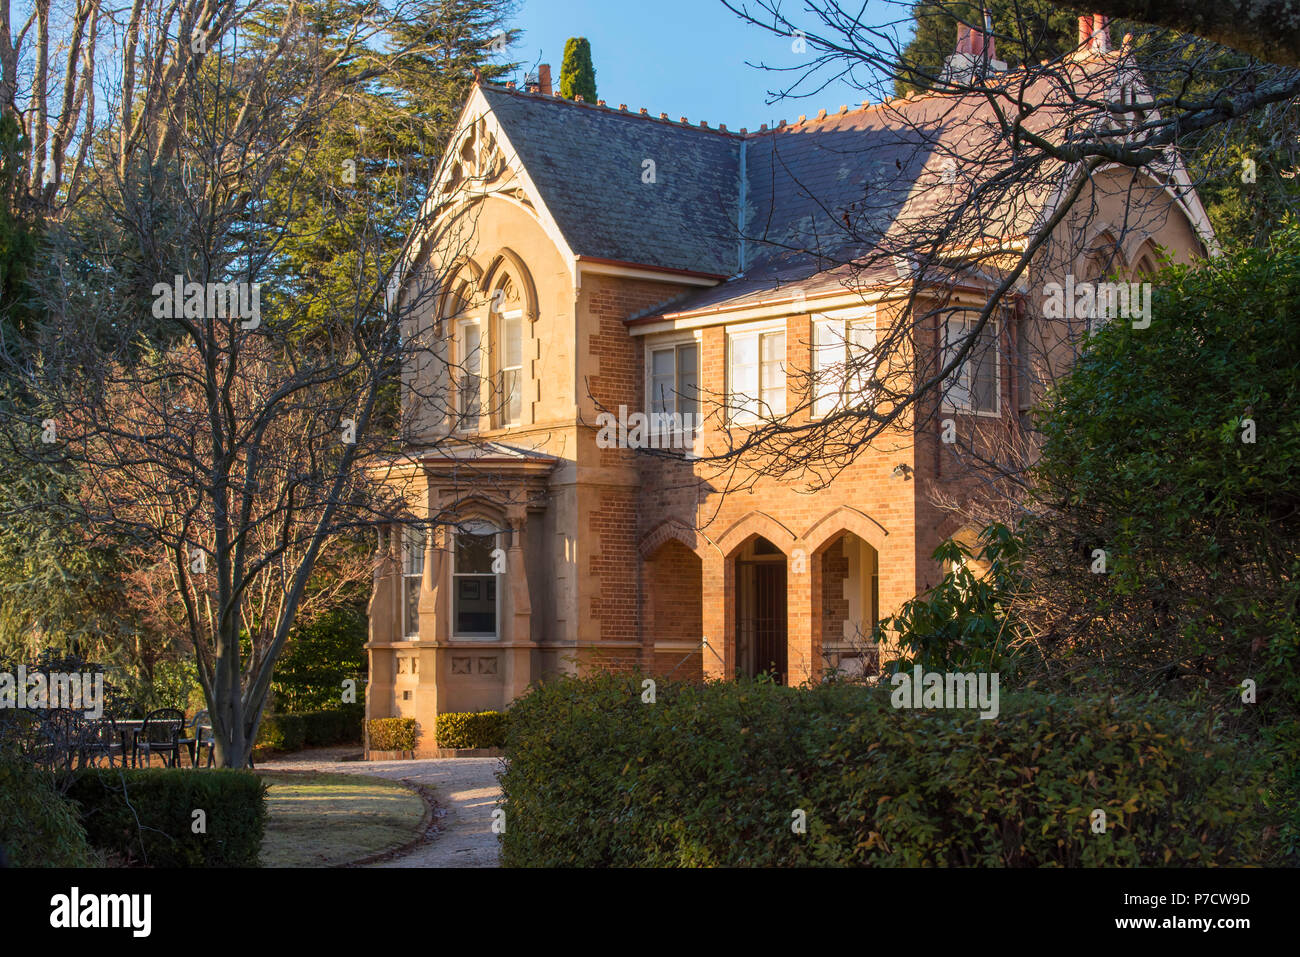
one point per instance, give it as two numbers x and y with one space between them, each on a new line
487 361
477 570
413 548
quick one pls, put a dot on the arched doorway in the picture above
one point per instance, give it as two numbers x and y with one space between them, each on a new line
761 629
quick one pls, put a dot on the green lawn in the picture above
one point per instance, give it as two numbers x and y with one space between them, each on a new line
321 820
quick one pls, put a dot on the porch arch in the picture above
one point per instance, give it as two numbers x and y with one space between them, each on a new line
757 523
845 518
669 530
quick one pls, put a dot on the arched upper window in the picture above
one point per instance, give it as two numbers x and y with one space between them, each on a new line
488 325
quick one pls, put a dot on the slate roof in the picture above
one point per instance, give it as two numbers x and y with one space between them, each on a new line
587 162
775 210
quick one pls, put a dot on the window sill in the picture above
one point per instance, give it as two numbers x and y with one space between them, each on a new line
981 415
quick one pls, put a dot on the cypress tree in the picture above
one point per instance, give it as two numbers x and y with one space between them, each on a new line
577 75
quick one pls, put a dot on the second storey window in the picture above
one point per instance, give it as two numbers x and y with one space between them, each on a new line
842 345
512 366
675 379
756 374
469 354
974 385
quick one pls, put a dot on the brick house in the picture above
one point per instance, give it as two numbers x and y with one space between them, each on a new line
594 257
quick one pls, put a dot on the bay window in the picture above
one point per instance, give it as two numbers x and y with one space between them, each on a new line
475 598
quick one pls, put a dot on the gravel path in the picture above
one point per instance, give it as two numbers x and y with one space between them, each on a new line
466 790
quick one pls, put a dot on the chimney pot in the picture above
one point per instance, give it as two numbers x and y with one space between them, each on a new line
544 78
1100 33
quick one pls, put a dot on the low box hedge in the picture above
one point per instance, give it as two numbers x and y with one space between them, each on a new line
466 729
281 732
311 729
146 817
720 774
391 734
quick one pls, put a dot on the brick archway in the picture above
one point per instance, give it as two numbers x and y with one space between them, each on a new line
756 523
670 530
843 519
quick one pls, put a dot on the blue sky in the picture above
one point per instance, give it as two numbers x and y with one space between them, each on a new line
682 57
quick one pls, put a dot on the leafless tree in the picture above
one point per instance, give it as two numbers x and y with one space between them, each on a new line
241 438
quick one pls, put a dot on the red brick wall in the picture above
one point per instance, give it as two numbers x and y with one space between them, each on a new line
835 606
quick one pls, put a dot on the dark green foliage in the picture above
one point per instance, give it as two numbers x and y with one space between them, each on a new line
963 623
577 75
319 658
155 828
712 775
462 729
18 235
391 734
38 826
322 729
311 729
281 733
1145 457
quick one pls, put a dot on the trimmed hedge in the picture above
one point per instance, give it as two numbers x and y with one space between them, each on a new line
478 729
392 734
281 732
312 729
38 827
322 729
156 828
713 775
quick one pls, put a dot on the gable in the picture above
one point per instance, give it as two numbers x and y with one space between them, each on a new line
589 166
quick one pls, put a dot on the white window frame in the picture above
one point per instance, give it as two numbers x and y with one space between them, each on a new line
844 326
964 372
464 421
412 558
738 414
502 414
471 526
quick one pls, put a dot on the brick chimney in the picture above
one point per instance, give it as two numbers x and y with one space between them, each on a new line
976 53
1094 34
544 79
